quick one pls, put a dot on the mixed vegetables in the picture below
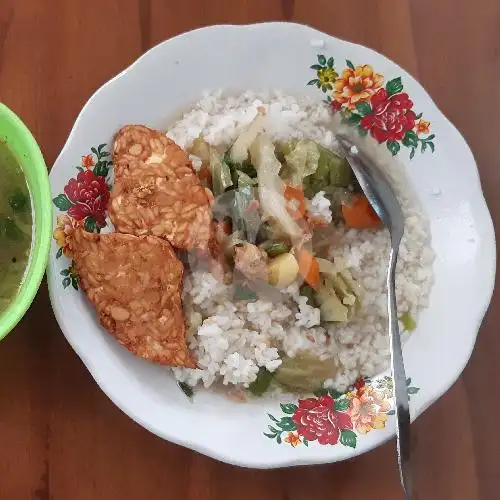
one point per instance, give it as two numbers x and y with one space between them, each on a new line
268 237
264 228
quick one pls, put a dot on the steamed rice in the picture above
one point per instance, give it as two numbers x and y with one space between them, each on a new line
232 339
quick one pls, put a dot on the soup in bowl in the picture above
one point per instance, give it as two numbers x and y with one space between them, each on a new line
25 219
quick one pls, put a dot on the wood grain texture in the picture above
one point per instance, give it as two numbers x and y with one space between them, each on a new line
61 438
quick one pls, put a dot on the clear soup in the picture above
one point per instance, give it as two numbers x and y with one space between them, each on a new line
16 226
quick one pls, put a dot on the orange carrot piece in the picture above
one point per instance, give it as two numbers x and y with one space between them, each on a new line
360 214
297 198
308 268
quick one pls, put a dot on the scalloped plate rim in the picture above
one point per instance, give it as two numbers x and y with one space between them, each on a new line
389 432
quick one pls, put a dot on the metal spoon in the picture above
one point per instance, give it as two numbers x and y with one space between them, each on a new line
383 200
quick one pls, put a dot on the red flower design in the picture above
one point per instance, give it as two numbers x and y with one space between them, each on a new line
316 418
90 195
335 106
391 116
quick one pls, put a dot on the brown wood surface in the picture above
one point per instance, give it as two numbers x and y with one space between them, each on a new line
60 437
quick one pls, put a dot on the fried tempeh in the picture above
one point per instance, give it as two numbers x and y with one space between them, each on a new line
135 284
156 190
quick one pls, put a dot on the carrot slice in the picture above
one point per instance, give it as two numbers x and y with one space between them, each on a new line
296 205
360 214
308 268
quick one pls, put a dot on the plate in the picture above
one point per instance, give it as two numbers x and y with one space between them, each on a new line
265 433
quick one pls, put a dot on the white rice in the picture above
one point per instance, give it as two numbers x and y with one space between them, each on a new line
319 206
231 340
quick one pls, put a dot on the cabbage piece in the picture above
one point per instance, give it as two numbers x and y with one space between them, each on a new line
244 179
219 170
244 171
305 373
235 204
271 189
333 172
301 160
245 220
221 174
240 149
335 168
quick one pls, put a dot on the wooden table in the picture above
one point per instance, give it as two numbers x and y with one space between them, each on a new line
60 436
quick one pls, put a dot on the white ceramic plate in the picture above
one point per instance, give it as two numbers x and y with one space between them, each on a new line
263 433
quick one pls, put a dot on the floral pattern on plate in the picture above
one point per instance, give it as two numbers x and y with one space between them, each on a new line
332 417
385 112
84 202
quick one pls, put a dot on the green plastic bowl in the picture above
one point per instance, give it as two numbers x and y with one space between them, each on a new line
20 141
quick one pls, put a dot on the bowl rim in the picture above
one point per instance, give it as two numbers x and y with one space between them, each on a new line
438 391
42 225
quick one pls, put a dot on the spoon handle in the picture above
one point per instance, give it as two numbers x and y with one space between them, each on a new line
399 378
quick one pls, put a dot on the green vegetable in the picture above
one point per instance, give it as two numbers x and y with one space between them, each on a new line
301 161
261 384
331 306
9 229
221 173
307 291
219 170
275 249
305 372
242 292
313 185
271 230
285 148
245 220
353 286
343 290
244 180
409 323
333 171
344 280
337 167
240 170
339 295
186 389
19 201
